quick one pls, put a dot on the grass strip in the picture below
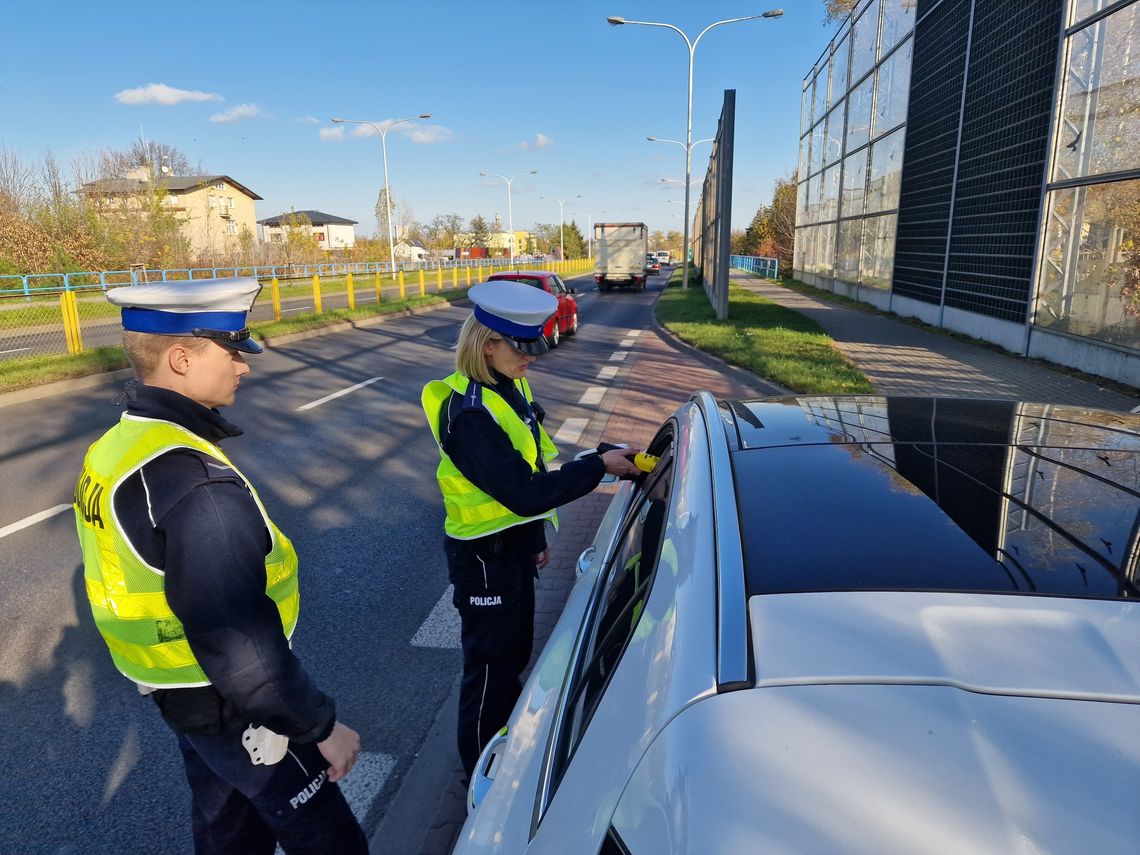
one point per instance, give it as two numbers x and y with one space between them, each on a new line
764 338
25 371
22 372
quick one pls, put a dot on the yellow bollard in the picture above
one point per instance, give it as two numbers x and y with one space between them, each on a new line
439 278
275 293
423 289
469 276
317 294
454 278
403 293
379 296
70 328
351 293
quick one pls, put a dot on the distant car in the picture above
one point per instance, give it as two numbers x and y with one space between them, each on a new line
565 321
652 265
842 624
663 256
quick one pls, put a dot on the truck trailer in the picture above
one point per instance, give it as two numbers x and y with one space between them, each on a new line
619 255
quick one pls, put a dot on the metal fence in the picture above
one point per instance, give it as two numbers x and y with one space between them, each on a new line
769 268
56 313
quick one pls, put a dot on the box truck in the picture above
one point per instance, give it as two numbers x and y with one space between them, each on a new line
619 255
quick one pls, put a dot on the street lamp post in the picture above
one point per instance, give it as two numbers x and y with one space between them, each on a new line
561 227
617 21
590 233
382 130
510 212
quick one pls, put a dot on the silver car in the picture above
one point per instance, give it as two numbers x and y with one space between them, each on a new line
864 624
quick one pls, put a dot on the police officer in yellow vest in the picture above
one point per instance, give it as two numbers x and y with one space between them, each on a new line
498 495
194 588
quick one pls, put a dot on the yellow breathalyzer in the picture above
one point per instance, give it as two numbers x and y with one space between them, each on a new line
644 462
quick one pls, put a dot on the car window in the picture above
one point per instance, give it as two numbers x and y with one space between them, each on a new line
529 280
558 285
618 605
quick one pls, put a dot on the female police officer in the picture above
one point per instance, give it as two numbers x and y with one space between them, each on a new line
498 494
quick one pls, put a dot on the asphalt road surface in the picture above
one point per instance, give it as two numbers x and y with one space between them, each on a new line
350 478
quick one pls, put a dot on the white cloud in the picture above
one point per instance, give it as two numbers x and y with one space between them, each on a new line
236 114
419 134
160 93
332 133
539 141
306 120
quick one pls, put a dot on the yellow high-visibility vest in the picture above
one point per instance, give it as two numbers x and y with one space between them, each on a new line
471 513
146 639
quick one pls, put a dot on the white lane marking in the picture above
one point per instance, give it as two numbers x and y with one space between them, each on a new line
608 373
441 627
618 355
12 528
296 309
16 350
328 398
626 342
571 430
593 395
366 780
633 333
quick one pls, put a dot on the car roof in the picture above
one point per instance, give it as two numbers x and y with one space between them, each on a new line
874 493
515 274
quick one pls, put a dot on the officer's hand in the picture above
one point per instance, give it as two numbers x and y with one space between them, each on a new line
341 750
619 461
542 559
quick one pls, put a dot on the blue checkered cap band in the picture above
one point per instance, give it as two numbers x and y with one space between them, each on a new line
512 308
181 308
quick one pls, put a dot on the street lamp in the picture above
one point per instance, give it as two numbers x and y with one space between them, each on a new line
590 233
510 214
561 228
383 132
617 21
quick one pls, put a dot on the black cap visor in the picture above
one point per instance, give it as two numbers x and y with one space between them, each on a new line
235 340
528 346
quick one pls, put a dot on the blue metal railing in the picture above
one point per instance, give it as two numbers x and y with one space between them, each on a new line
769 268
37 284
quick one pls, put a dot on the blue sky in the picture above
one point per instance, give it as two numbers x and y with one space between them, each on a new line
246 88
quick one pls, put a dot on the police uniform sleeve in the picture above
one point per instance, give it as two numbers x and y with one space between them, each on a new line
481 450
215 547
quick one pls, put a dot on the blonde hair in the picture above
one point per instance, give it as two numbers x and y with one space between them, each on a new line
470 361
146 350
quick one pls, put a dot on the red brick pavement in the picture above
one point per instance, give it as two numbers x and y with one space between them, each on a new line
662 375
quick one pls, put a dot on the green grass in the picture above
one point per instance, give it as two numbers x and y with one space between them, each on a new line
27 371
23 372
764 338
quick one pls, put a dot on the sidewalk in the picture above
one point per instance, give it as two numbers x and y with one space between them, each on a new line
897 358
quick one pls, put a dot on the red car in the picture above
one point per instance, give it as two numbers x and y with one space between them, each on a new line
565 320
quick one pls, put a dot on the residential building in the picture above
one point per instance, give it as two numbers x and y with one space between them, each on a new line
213 209
976 164
330 232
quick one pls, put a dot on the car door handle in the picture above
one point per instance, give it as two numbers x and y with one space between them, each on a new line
481 779
586 560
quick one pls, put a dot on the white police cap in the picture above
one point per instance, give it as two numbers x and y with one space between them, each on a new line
516 311
208 308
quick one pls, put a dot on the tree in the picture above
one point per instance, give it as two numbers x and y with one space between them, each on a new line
835 11
441 232
382 213
773 228
575 243
544 236
149 154
480 232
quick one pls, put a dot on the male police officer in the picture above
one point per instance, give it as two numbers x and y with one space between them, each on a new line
194 588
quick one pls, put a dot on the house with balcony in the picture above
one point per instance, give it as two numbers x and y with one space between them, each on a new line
330 232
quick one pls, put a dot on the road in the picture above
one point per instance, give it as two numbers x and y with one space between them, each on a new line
350 480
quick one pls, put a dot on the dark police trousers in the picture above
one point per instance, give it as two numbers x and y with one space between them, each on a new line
238 808
495 598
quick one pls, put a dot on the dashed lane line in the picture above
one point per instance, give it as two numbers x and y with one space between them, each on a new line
608 373
593 396
619 355
328 398
570 431
441 627
626 342
12 528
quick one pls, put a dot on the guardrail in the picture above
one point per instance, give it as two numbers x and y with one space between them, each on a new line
49 313
769 268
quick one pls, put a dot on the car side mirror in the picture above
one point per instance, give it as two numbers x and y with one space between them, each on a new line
573 290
